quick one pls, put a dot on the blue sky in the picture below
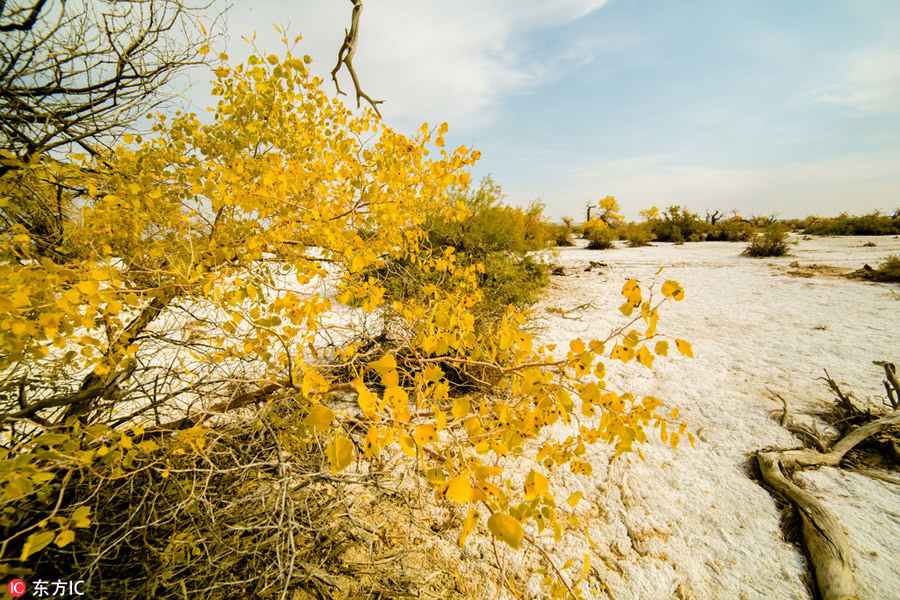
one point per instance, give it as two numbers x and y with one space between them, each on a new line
760 106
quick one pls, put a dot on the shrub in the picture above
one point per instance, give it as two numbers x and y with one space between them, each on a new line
732 230
511 280
560 235
635 234
887 272
121 462
771 243
492 235
873 223
489 225
677 225
599 235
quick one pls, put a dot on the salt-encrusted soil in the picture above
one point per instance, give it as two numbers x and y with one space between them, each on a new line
696 523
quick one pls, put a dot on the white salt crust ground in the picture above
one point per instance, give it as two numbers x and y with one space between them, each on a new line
700 526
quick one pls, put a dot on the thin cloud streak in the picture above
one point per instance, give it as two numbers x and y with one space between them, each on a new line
867 81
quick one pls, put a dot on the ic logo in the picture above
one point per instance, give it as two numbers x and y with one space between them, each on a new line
16 588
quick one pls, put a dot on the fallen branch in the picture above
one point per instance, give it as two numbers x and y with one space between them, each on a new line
823 536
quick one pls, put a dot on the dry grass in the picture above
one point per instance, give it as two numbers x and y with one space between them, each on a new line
257 514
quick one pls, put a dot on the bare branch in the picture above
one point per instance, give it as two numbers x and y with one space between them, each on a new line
29 21
345 57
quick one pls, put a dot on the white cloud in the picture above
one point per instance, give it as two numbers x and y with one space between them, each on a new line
429 61
867 81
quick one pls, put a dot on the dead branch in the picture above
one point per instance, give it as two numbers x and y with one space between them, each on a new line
891 382
823 536
345 57
806 433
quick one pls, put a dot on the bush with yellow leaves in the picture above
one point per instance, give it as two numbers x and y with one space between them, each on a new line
212 268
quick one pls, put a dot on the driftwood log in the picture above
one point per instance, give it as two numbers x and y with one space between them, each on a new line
823 536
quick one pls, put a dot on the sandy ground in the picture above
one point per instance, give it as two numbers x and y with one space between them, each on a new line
694 523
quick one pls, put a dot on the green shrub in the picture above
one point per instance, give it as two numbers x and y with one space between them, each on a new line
560 235
511 279
887 272
493 234
732 230
771 243
677 225
636 234
873 223
599 235
490 226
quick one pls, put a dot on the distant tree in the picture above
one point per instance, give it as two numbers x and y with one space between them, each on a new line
608 211
650 213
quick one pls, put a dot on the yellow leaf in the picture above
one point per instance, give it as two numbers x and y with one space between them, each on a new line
340 454
536 485
685 348
671 288
574 498
622 353
460 408
433 373
65 537
390 379
101 369
425 434
467 527
80 518
662 348
88 287
632 291
645 358
459 490
674 439
384 364
357 263
408 445
506 528
367 400
35 543
319 418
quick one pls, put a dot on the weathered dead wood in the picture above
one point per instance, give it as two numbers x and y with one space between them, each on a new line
891 382
804 432
822 533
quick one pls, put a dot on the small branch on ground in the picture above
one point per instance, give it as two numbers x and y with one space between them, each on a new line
823 536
